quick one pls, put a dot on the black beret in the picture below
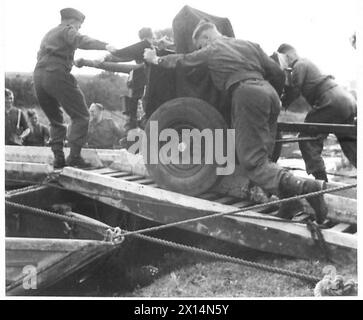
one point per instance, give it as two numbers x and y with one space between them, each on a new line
70 13
284 48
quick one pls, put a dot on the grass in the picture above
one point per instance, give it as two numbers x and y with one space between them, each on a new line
203 278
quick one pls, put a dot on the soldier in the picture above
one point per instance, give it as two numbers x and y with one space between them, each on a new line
241 67
102 131
39 133
16 127
330 103
55 86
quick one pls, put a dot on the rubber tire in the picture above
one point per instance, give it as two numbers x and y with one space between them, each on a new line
194 113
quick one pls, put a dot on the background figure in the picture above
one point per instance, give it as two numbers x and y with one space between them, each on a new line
330 103
136 84
39 133
55 85
103 133
16 127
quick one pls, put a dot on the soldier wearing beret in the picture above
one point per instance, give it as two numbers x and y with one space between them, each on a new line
55 86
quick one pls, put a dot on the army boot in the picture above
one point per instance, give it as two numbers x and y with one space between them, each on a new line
59 161
320 175
292 186
75 160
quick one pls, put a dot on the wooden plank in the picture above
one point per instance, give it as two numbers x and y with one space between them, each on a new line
118 174
146 181
242 204
208 196
232 185
55 270
25 172
39 244
225 200
164 206
45 155
340 227
103 170
317 127
133 178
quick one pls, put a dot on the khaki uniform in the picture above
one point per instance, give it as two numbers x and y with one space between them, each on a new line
15 124
56 87
104 134
242 68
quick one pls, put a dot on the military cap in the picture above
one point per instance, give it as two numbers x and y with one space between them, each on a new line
201 27
284 48
70 13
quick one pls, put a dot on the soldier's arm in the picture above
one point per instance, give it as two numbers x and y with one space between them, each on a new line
77 40
193 59
108 66
46 134
113 58
273 72
24 125
117 132
298 75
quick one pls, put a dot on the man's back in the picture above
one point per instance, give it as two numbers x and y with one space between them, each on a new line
308 78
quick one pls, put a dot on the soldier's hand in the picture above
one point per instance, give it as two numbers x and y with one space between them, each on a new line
111 48
79 63
150 56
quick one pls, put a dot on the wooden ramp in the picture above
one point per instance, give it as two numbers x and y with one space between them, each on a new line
124 184
139 195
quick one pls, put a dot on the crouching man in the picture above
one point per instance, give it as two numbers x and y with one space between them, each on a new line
102 132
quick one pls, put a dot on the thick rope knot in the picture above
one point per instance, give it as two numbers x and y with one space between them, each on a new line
335 286
114 235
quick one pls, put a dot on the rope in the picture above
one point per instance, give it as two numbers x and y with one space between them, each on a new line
171 244
112 234
318 238
54 215
218 214
250 208
25 190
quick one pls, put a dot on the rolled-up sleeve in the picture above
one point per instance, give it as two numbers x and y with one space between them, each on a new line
192 59
77 40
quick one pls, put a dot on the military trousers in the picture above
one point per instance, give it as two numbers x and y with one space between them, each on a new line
255 108
335 106
57 88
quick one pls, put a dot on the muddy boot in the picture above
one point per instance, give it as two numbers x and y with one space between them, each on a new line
59 161
320 175
75 160
292 186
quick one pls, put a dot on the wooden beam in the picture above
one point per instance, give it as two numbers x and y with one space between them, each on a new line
348 129
164 207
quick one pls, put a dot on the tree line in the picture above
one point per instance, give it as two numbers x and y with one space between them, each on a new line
105 88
